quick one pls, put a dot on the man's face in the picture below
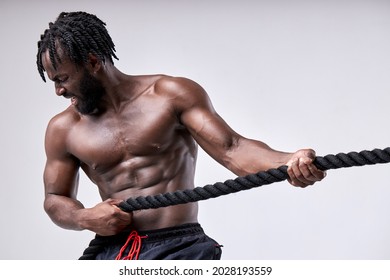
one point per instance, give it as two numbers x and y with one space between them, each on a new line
75 83
91 93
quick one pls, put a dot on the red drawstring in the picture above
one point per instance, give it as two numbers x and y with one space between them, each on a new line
134 249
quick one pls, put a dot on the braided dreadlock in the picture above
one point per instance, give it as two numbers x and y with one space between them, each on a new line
79 34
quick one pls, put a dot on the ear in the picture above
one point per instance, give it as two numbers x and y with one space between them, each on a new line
94 63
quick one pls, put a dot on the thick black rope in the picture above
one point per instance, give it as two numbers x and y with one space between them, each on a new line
340 160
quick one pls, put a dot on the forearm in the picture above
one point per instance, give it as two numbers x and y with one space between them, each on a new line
105 218
248 156
64 211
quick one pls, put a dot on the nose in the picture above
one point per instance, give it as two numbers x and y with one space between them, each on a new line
60 90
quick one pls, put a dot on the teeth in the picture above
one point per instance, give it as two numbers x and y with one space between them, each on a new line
73 100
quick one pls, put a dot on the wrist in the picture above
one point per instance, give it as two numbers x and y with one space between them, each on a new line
80 218
284 159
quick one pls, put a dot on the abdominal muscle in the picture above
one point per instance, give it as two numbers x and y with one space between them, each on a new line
163 217
144 176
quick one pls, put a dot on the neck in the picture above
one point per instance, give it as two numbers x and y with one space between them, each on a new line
119 87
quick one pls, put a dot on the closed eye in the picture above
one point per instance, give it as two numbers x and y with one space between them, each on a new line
60 80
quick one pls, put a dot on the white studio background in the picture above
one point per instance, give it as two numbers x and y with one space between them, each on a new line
293 74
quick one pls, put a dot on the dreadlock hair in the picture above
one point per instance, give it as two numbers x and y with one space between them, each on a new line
79 34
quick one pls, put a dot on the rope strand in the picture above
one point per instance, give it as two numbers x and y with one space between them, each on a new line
340 160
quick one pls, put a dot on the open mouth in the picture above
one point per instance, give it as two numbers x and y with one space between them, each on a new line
73 100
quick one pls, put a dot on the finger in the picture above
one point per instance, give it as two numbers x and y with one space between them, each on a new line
296 177
126 217
290 172
114 201
310 171
305 173
316 173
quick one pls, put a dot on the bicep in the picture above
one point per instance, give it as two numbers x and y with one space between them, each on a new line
237 153
61 177
207 127
62 169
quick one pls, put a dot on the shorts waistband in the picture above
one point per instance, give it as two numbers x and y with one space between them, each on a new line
171 232
154 235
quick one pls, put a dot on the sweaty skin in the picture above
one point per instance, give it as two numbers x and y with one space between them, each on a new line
142 140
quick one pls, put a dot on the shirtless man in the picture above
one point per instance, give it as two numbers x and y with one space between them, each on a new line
136 136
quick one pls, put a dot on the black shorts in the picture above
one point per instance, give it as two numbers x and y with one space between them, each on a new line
185 242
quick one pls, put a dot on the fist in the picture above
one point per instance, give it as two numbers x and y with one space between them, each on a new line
301 170
106 218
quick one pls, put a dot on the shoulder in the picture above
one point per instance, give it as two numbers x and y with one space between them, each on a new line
183 92
59 127
176 85
168 85
64 120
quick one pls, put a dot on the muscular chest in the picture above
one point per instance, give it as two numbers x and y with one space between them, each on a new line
111 139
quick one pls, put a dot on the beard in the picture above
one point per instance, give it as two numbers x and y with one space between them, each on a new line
92 91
